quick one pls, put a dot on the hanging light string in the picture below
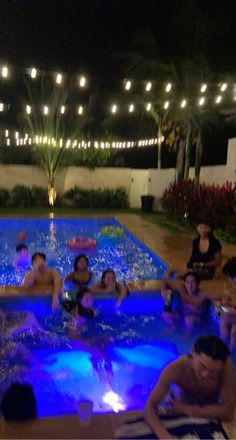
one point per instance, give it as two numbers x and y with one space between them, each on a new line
17 139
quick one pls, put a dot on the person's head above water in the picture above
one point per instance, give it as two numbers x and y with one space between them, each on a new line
84 298
203 229
191 282
229 269
21 236
108 277
19 403
38 259
22 249
81 262
209 355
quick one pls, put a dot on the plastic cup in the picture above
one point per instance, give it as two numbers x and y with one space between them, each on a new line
85 411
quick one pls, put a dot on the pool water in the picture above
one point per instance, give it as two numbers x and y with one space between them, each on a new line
116 359
129 258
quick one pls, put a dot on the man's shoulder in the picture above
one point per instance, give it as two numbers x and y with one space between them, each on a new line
179 365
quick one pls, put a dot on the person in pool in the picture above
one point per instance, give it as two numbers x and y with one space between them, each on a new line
193 302
206 255
81 275
228 305
202 384
81 309
43 277
23 258
109 285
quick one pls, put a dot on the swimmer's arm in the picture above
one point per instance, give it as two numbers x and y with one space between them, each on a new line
97 288
225 408
29 279
122 293
57 286
150 412
69 276
213 296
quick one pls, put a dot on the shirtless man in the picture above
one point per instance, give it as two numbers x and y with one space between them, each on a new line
43 277
192 298
204 384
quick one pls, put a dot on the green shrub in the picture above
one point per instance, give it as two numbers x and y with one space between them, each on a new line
21 196
95 198
4 197
39 196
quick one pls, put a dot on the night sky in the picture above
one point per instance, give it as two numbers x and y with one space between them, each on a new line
85 36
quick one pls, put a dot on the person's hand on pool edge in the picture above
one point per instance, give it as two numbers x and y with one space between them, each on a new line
55 303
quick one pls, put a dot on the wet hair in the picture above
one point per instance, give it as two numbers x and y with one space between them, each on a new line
86 313
106 272
21 247
229 269
79 258
38 254
194 275
19 403
212 346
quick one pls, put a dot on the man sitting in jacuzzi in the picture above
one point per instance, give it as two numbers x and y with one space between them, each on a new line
44 278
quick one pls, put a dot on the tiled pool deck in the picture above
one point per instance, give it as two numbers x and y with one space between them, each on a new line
171 248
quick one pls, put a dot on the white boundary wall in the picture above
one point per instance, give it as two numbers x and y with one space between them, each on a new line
136 182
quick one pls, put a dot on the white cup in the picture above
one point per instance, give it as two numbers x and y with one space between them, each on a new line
85 411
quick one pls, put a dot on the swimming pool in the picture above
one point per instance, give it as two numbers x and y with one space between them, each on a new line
130 259
118 356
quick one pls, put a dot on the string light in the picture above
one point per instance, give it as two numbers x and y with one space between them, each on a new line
7 133
114 108
148 106
166 105
148 86
223 87
183 103
59 78
25 140
201 101
82 81
33 72
168 87
131 108
128 85
4 71
63 109
28 109
218 99
8 142
1 106
80 110
45 110
203 88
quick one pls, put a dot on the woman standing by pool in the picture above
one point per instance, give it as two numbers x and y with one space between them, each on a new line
110 286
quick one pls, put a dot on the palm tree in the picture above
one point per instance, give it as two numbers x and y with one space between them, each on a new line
47 128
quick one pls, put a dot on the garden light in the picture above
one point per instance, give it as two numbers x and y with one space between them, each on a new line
82 81
4 72
218 99
6 133
1 107
183 103
59 78
45 110
63 109
148 106
80 110
8 142
131 108
28 109
166 105
127 85
168 87
223 87
201 101
114 108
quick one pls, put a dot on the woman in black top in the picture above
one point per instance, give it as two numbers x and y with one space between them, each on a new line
206 254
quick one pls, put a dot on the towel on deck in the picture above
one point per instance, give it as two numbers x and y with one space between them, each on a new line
181 426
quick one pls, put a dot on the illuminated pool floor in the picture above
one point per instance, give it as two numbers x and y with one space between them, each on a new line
115 362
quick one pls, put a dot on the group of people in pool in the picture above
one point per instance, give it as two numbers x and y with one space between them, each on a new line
183 298
205 258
